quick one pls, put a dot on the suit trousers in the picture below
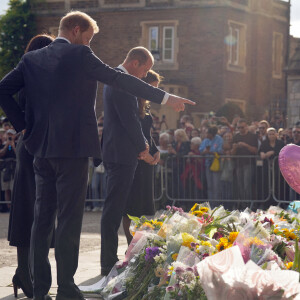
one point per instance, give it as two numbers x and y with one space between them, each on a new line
61 185
119 181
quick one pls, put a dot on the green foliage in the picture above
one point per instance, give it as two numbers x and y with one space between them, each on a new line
228 110
17 27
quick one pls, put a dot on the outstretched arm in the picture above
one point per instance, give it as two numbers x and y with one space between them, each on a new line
99 71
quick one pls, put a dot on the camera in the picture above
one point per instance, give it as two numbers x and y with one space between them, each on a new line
10 138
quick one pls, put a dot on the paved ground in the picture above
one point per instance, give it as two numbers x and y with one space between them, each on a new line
89 258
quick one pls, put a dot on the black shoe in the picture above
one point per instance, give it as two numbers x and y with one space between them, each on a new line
18 284
105 271
46 297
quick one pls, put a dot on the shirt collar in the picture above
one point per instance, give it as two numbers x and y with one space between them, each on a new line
123 69
63 38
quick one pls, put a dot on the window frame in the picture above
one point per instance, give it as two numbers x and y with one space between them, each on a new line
161 61
238 44
277 56
164 28
150 38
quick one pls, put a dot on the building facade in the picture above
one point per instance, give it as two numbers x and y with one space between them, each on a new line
211 51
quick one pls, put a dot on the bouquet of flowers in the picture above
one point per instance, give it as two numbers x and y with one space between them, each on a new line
210 254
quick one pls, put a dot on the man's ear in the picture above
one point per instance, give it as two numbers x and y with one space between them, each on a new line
76 30
135 63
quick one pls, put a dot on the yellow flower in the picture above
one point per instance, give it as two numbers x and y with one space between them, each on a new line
206 243
194 207
187 239
223 240
146 224
289 265
174 256
223 244
170 270
288 234
197 213
232 236
156 223
255 241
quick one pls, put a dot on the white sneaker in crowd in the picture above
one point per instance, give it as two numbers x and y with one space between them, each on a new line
97 209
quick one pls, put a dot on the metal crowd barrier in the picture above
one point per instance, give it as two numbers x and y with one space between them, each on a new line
158 186
242 181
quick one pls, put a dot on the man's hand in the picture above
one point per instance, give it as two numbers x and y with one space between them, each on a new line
144 153
178 103
156 158
149 159
242 144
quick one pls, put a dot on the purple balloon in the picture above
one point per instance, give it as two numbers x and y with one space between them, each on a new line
289 164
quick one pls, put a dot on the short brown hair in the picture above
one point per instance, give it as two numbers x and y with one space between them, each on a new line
77 18
140 54
144 106
152 76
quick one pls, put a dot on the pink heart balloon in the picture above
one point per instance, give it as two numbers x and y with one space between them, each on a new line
289 164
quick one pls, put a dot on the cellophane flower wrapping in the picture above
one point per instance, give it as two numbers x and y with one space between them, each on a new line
209 254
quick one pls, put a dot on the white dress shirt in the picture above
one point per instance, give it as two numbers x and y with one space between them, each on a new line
63 38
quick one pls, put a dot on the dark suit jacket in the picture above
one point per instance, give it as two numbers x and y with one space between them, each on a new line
60 83
122 138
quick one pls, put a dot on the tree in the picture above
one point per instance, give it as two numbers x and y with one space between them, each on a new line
229 110
17 27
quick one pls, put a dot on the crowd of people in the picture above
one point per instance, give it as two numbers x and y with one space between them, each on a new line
8 143
191 178
244 152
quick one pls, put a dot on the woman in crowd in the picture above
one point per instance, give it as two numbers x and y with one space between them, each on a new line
181 145
164 140
140 199
268 150
23 197
212 145
192 176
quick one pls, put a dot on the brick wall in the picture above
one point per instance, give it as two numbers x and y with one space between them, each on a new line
202 56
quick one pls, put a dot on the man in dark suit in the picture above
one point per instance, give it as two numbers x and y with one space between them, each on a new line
60 83
122 143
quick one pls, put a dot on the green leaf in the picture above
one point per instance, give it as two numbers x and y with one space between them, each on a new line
212 232
136 220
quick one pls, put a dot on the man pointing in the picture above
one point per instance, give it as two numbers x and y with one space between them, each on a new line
60 83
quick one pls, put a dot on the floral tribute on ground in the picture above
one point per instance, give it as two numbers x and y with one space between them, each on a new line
209 254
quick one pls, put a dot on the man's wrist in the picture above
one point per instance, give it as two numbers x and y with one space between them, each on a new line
165 99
